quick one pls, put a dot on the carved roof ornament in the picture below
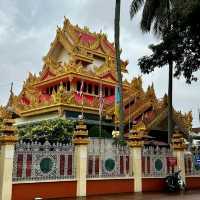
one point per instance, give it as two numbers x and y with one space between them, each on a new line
165 100
136 135
4 113
137 83
10 100
178 141
150 94
80 136
126 82
185 120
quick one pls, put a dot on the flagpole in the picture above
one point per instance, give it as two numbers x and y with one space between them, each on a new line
100 109
100 125
81 95
82 107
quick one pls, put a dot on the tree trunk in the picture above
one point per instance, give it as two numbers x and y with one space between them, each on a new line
118 65
170 109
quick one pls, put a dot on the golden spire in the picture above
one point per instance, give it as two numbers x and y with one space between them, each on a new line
10 100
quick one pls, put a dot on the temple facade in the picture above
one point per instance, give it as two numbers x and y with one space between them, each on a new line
79 60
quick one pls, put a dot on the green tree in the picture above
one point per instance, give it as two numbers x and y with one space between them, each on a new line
54 130
185 47
118 65
156 16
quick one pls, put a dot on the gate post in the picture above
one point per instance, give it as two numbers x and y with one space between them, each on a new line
80 140
7 144
179 147
135 142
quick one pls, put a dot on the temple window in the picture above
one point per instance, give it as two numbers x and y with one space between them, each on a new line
51 90
96 89
64 84
78 86
68 85
55 88
85 87
112 92
90 88
106 91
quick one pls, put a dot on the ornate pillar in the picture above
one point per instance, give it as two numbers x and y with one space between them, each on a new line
81 141
179 146
135 142
7 144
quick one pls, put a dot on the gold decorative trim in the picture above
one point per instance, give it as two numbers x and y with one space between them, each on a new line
8 139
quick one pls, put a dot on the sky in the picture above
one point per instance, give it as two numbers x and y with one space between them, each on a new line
27 28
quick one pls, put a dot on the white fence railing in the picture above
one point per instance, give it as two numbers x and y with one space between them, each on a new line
155 162
35 161
106 159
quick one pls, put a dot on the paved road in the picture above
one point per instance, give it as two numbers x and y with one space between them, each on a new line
189 195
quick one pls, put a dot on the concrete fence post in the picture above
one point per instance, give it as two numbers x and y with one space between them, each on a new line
179 146
136 164
80 140
7 144
135 142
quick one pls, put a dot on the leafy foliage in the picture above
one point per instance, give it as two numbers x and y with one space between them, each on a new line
183 43
55 130
155 14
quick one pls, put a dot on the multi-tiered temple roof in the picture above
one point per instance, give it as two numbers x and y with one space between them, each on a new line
76 55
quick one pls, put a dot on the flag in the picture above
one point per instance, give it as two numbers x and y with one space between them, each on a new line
117 101
78 98
101 101
89 99
110 100
80 92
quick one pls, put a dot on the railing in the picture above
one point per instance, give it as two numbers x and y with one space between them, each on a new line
192 165
35 161
106 159
154 162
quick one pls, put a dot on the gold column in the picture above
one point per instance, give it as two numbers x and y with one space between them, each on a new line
135 142
7 144
179 146
81 141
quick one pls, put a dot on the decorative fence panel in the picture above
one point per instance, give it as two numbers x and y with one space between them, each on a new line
155 162
37 161
106 159
192 164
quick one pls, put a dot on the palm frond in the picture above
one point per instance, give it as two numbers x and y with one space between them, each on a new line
135 7
162 18
148 14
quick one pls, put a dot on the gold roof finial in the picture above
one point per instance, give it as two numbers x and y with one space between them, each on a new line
10 100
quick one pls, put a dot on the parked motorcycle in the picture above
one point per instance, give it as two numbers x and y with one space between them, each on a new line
175 182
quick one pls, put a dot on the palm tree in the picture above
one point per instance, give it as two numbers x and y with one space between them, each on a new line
156 16
118 66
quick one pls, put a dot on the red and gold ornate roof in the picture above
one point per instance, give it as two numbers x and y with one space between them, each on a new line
76 55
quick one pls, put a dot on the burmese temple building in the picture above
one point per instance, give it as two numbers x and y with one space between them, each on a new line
78 78
79 56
